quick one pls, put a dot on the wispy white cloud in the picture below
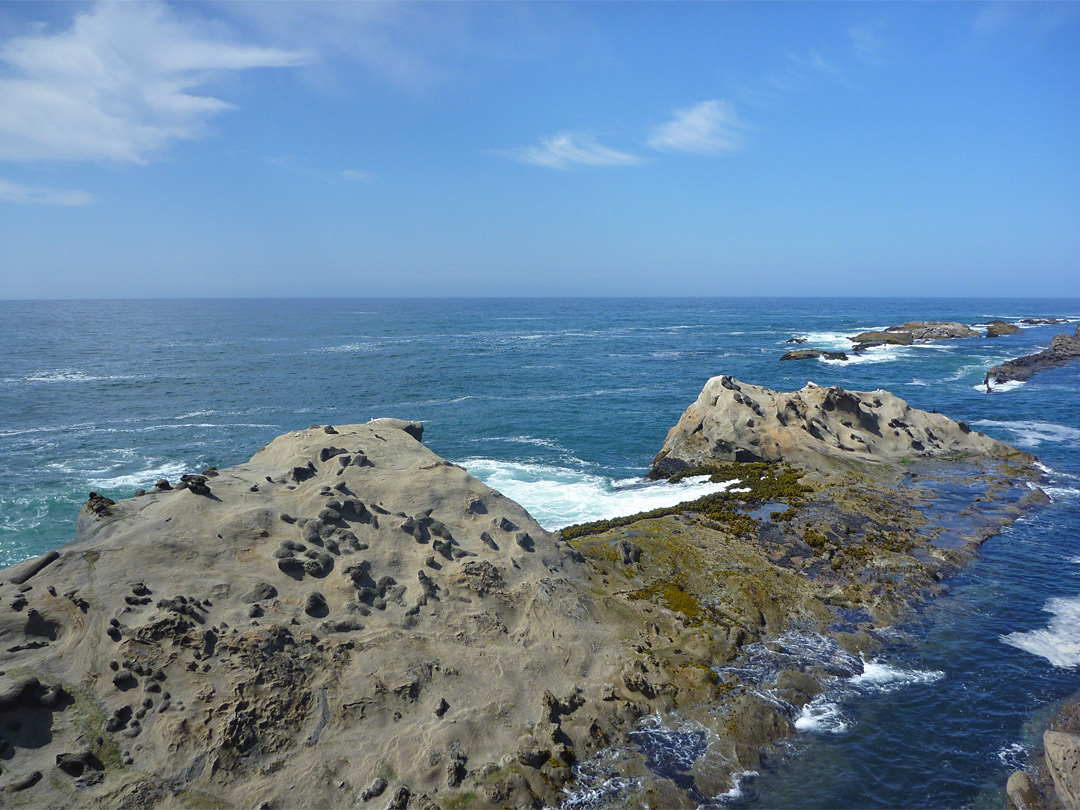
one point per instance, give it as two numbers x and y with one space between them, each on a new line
866 42
708 127
118 85
355 175
813 60
566 149
16 193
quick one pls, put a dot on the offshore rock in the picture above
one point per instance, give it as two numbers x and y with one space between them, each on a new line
999 328
815 428
1063 349
813 354
907 333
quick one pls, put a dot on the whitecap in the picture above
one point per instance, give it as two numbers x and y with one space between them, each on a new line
141 478
996 387
559 496
1059 641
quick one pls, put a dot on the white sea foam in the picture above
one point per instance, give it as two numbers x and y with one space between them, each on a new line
739 782
1012 756
141 478
559 496
996 387
1034 433
822 716
1057 493
881 677
1059 641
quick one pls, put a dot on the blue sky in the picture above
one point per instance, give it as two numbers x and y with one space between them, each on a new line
498 149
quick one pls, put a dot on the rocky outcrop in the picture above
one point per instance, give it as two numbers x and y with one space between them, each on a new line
813 354
998 328
346 611
1063 349
868 340
815 428
907 333
935 330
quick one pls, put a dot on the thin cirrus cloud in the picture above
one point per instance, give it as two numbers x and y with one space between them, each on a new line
14 192
566 149
117 86
710 127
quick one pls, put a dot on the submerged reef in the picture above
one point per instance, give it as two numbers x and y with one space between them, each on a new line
348 620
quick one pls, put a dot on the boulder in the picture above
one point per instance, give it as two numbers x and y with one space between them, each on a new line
1021 794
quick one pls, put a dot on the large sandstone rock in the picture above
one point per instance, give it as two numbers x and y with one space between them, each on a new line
1063 349
344 610
1063 762
815 427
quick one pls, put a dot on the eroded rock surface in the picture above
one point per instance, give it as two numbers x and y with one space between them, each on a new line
815 427
347 612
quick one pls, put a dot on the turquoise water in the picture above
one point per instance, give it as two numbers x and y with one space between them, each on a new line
562 405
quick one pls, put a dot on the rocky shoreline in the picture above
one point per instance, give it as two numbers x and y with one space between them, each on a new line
349 620
1052 778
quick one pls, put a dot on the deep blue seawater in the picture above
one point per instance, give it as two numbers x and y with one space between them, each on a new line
562 404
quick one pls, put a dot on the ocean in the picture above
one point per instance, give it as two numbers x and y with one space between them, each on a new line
561 405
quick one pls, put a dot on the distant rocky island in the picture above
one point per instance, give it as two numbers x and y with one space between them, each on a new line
1063 349
348 620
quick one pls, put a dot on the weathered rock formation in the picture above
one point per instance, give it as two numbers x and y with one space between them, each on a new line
1063 349
815 428
345 614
